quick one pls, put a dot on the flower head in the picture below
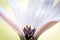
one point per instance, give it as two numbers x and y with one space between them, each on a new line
40 14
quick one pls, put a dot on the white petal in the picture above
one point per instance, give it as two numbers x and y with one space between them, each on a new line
43 12
31 10
4 12
55 13
18 11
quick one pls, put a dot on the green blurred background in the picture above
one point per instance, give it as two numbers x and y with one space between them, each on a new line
7 33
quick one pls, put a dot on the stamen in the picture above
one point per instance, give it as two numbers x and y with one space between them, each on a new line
29 32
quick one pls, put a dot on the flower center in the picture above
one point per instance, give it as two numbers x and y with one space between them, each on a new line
29 32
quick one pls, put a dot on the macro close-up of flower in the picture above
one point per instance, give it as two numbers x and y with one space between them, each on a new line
30 19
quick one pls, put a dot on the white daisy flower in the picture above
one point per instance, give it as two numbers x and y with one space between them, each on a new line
40 14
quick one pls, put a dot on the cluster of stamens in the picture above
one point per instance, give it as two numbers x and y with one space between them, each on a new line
29 32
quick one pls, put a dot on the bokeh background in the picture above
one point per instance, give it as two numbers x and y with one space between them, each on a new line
7 33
